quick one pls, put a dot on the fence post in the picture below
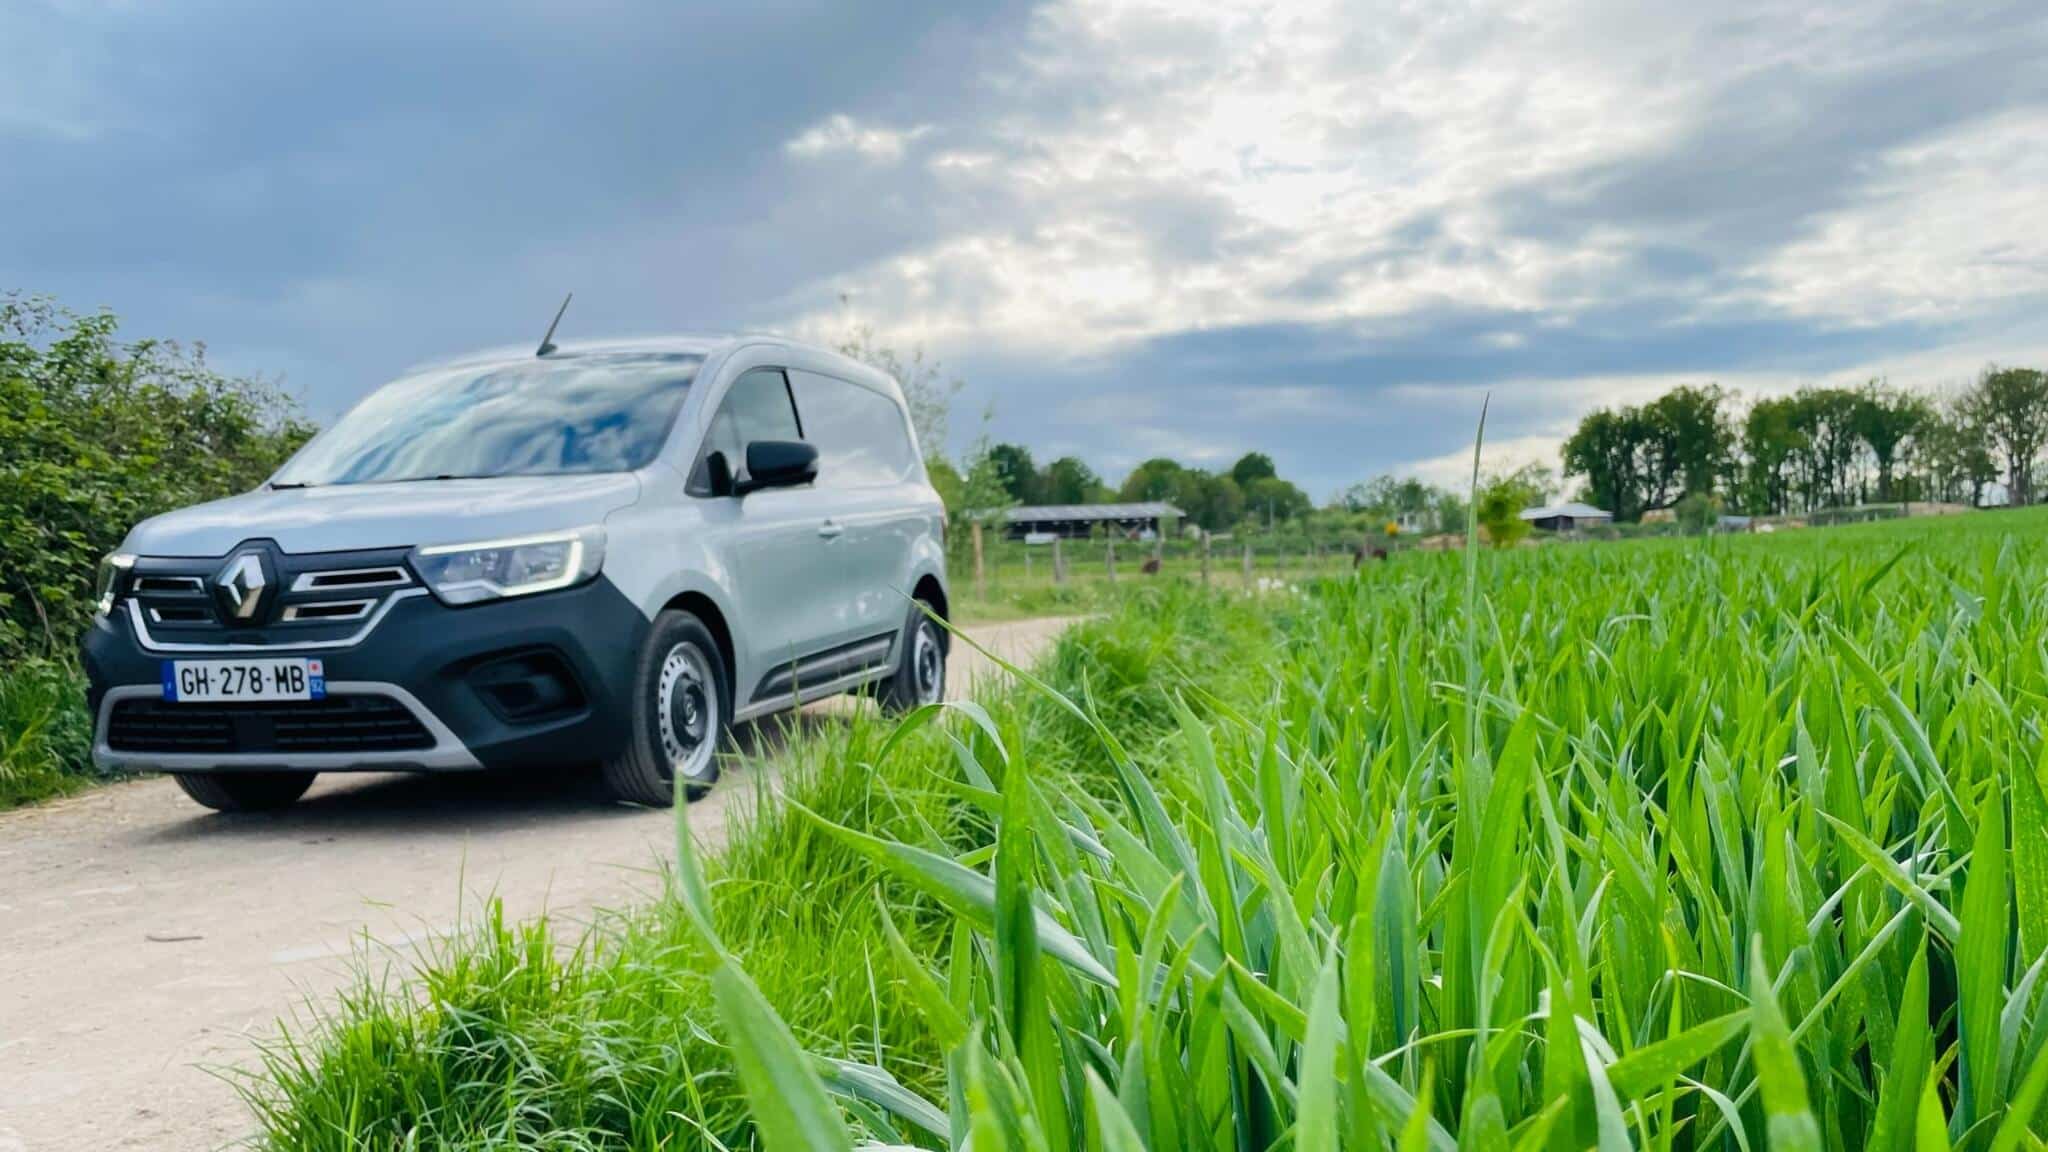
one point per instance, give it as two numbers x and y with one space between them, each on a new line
1027 563
1059 564
980 579
1109 555
1205 559
1247 565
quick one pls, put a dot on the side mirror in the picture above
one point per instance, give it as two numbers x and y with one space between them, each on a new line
778 464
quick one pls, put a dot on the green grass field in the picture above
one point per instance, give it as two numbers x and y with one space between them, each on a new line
1735 844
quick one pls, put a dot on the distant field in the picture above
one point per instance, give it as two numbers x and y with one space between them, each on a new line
1673 844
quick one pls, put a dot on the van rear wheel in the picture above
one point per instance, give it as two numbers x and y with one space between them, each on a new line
681 716
245 791
920 676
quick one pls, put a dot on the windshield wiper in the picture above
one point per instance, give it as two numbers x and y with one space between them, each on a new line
289 484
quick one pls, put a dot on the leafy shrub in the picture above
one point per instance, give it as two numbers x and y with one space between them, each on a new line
97 434
1698 512
44 731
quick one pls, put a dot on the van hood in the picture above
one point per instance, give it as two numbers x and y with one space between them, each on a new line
349 517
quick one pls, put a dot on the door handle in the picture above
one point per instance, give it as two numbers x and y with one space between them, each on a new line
830 529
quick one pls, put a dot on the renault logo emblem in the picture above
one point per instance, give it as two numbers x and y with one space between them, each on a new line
240 587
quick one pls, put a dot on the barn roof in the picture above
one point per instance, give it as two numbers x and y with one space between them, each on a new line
1088 513
1572 509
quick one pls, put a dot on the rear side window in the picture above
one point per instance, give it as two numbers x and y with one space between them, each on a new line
756 407
861 436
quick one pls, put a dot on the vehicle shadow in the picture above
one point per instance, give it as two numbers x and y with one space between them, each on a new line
427 803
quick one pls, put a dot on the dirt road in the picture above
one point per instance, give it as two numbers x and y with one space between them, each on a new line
144 941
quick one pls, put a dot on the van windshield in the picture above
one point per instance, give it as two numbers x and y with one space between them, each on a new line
569 414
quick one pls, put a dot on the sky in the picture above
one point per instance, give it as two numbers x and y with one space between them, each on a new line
1132 228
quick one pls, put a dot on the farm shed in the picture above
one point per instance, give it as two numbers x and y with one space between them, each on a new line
1079 521
1566 517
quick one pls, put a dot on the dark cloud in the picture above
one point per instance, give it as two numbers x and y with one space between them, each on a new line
334 193
359 186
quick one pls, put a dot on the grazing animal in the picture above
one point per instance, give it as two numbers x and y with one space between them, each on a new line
1150 567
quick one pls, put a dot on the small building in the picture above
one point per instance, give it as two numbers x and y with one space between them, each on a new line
1567 517
1080 521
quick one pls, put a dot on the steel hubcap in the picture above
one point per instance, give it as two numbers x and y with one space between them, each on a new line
686 710
928 664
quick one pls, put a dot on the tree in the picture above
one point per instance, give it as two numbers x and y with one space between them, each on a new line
1155 479
2010 405
1692 440
1405 499
1213 501
1019 474
1271 498
1826 420
1953 450
1889 420
1606 450
1069 481
1637 459
1250 467
1501 501
982 493
1697 513
1770 443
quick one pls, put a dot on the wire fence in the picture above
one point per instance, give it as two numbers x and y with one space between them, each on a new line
1007 563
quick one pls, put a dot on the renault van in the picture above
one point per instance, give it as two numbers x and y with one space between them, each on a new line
601 555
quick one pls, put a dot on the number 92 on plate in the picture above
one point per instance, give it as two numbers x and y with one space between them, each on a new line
252 681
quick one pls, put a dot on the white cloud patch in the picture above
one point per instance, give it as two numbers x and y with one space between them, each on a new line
841 133
1144 168
1941 229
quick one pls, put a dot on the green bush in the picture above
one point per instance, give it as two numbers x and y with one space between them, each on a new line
96 435
44 732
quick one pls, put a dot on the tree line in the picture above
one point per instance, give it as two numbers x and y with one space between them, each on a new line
1005 474
1818 448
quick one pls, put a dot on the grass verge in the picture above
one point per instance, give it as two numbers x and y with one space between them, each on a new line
45 735
513 1036
1728 844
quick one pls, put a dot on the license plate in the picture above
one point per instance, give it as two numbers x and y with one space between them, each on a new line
243 681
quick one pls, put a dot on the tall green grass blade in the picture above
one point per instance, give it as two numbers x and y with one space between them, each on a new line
1981 963
1787 1111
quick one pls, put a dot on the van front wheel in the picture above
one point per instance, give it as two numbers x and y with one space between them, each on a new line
245 791
682 710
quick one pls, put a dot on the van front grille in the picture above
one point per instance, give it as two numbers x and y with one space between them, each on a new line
347 723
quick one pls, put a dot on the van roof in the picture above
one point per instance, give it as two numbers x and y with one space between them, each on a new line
704 345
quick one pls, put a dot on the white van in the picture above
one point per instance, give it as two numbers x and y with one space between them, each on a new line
605 553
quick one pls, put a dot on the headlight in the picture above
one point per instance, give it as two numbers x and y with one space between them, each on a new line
468 573
113 574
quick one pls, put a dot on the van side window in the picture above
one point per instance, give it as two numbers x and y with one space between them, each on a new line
756 407
862 437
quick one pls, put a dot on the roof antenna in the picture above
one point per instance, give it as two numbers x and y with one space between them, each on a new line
547 342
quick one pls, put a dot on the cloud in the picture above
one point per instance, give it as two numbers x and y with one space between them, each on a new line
1319 228
842 133
1143 168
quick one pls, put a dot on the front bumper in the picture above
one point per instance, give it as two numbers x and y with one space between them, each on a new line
532 682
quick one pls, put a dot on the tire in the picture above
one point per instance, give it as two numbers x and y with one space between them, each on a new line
245 791
681 712
920 676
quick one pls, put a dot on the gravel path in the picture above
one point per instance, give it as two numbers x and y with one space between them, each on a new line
145 942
